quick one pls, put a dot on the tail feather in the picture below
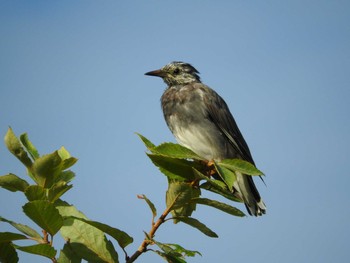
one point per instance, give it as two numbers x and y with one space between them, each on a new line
250 195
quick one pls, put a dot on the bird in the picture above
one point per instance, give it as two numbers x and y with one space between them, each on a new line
200 120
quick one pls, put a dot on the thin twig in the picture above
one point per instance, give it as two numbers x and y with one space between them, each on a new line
49 242
143 247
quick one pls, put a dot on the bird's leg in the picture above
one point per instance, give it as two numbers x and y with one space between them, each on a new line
195 183
209 168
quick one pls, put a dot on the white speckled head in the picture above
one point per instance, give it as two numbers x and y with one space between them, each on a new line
176 73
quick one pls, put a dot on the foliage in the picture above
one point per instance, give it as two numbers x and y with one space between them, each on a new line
188 175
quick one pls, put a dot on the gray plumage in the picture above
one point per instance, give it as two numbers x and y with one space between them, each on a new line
201 121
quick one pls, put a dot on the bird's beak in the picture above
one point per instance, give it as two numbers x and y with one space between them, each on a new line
156 73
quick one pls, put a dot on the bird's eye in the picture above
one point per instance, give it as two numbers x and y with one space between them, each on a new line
176 71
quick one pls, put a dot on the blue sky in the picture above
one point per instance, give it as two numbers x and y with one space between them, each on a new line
72 74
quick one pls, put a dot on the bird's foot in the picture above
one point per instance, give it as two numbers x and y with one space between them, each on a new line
209 168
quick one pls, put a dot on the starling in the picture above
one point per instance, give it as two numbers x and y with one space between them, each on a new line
201 121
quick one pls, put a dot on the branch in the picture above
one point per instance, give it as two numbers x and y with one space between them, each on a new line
143 247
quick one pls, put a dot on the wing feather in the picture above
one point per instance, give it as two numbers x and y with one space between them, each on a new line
219 114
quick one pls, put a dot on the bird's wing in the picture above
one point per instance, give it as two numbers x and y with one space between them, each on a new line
220 115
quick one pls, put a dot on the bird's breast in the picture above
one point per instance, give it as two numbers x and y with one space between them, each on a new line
186 116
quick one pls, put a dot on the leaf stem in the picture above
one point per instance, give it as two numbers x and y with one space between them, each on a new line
46 236
49 242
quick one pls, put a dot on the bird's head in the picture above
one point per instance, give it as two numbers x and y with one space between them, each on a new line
176 73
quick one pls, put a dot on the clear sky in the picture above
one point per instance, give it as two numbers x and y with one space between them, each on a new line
72 74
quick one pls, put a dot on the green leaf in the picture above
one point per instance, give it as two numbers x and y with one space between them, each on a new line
67 210
67 255
213 182
197 224
45 215
46 168
35 192
40 249
13 183
171 150
66 176
9 236
87 241
63 153
181 193
23 228
112 251
228 176
57 190
169 258
219 205
183 251
176 251
31 175
8 253
68 161
120 236
240 166
173 168
147 142
150 204
216 186
168 249
16 148
29 146
174 150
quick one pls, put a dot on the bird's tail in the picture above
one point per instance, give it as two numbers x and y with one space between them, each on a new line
250 195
